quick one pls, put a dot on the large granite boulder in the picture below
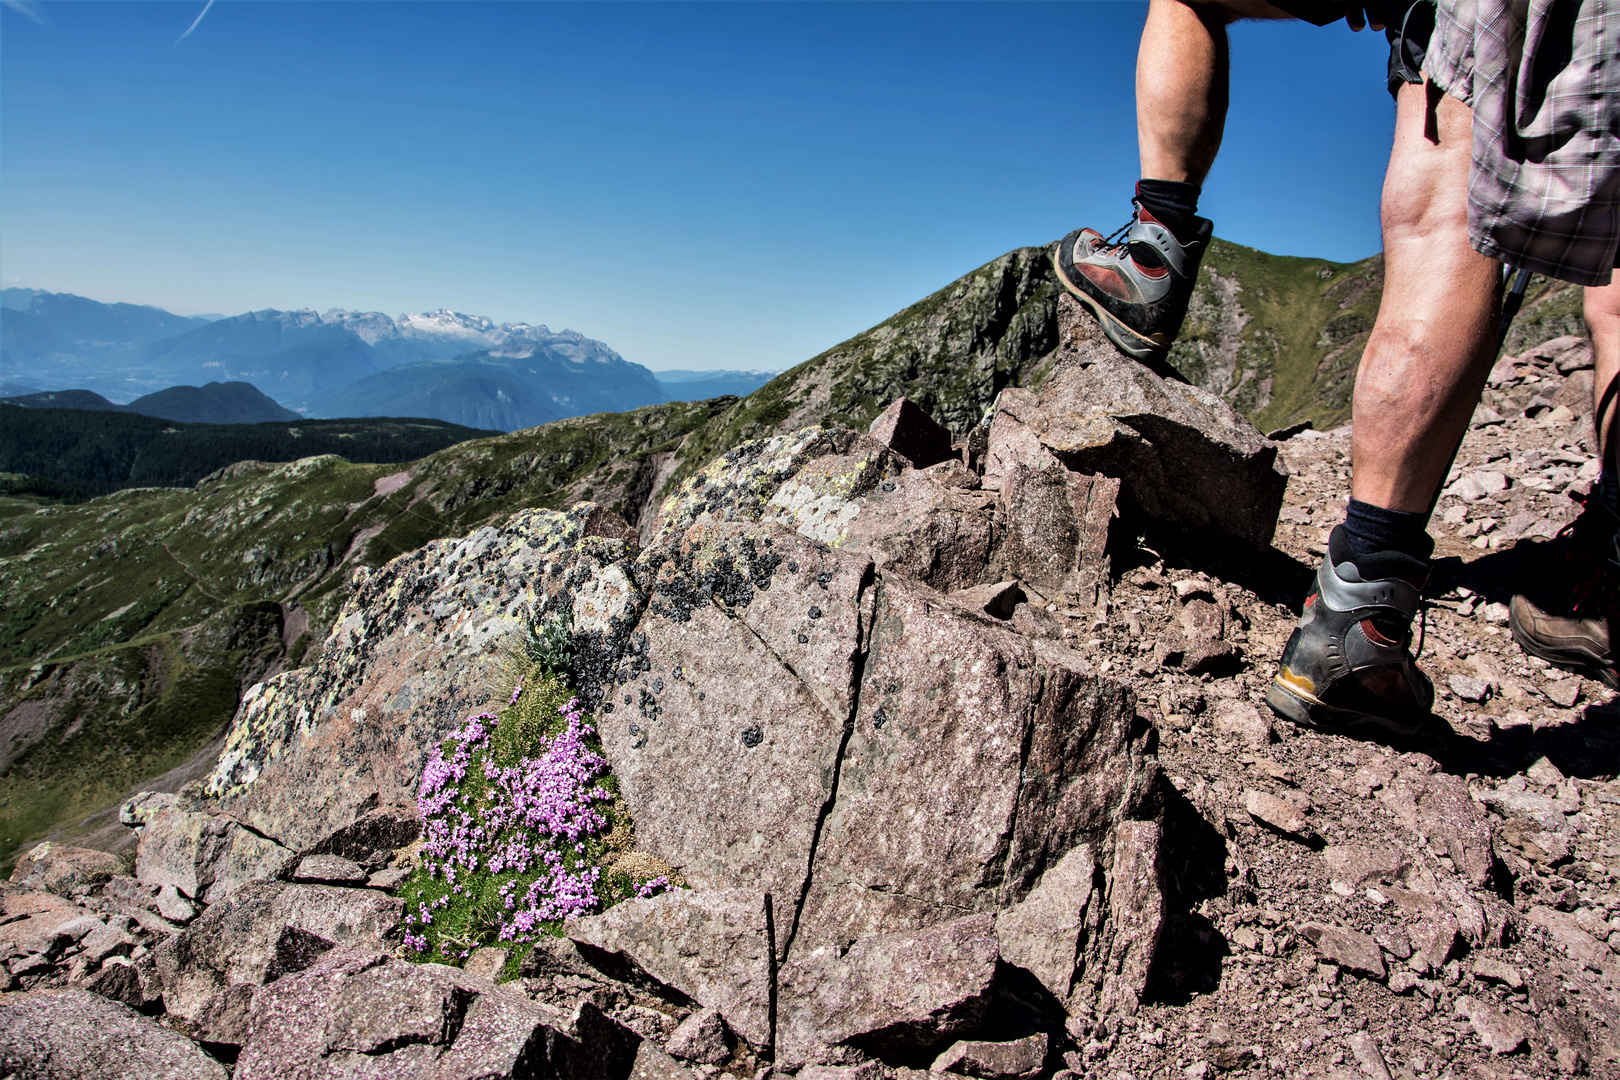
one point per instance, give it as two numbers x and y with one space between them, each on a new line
1002 758
77 1035
746 660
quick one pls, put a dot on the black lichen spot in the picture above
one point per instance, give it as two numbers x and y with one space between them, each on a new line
815 612
658 686
888 485
607 706
823 579
627 699
701 695
804 639
752 736
879 718
793 566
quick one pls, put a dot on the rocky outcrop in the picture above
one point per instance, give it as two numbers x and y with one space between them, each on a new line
314 749
1182 455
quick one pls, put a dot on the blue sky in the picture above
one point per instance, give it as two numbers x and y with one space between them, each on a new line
713 185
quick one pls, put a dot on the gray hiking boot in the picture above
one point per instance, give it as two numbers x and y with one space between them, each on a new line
1347 664
1137 282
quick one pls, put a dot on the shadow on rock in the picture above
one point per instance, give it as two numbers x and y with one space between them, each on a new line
1193 870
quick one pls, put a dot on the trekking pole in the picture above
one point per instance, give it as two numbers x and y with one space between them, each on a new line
1512 300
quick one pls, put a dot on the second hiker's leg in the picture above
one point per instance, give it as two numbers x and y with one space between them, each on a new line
1349 662
1435 337
1181 90
1603 323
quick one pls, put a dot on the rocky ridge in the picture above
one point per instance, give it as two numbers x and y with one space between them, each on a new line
963 761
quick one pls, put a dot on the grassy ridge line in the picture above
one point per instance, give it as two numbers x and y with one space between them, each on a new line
84 453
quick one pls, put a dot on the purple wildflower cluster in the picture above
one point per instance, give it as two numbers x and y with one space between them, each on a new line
525 826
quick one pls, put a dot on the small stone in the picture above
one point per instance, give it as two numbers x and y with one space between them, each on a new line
329 870
701 1037
1501 1033
1497 971
1495 613
1564 693
908 430
486 963
1402 980
1016 1060
1469 687
1365 1047
136 811
1544 772
388 878
1234 716
1191 589
174 907
996 600
1349 949
1278 813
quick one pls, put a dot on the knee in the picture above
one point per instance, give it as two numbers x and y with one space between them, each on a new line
1602 307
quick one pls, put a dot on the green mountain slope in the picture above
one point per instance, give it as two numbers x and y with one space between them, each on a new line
130 624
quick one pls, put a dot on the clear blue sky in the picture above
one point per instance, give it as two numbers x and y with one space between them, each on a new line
698 185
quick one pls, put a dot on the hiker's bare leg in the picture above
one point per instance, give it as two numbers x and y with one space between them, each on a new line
1181 84
1603 323
1435 338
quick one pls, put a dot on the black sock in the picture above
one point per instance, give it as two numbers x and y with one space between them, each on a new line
1173 203
1382 543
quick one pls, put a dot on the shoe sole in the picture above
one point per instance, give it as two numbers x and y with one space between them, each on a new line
1586 663
1146 351
1309 711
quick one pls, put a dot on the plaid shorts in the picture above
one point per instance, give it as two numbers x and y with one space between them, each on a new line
1543 78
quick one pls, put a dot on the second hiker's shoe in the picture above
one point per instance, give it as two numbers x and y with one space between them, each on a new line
1568 623
1137 282
1347 664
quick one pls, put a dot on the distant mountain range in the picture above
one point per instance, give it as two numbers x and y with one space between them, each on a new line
215 403
442 364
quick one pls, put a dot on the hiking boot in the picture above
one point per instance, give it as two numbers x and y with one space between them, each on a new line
1347 663
1138 286
1570 627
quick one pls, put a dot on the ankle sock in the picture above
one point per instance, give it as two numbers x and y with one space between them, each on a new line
1173 203
1383 543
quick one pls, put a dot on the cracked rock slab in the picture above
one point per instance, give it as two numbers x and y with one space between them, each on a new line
1001 758
205 856
745 661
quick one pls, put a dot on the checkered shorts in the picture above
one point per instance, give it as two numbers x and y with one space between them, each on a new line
1543 78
